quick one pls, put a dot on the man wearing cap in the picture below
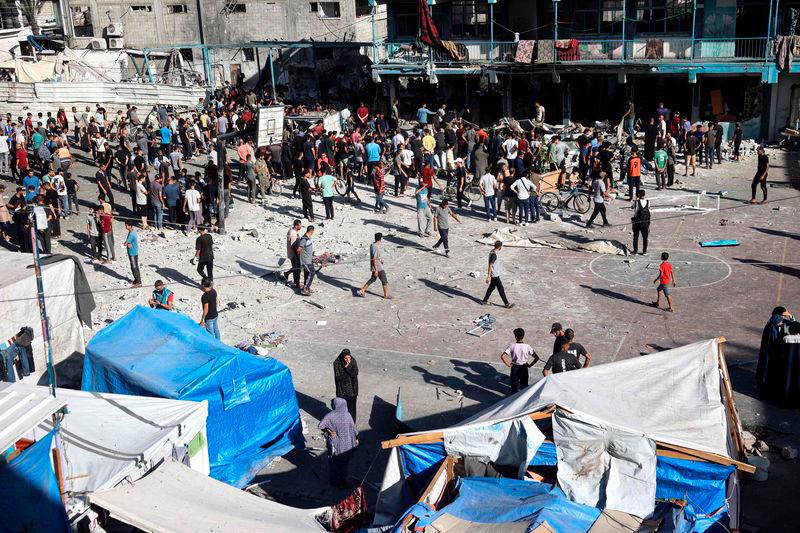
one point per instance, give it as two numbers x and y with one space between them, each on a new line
460 176
557 330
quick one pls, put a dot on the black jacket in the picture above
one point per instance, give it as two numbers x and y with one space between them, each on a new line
346 378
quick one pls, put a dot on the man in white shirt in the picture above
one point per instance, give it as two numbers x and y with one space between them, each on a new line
193 205
488 186
398 139
5 164
523 187
510 147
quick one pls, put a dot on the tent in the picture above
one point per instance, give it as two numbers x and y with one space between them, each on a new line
106 438
177 498
625 436
253 414
67 310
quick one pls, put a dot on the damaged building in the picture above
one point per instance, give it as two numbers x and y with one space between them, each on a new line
725 60
319 46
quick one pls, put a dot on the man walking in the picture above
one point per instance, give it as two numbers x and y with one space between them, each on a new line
520 354
376 268
209 302
441 223
488 186
760 179
493 276
424 216
132 244
204 254
305 250
640 223
292 236
599 195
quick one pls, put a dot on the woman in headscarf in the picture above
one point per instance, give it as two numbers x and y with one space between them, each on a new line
345 375
770 350
342 437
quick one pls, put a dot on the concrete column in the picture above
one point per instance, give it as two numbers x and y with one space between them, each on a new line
392 91
695 116
161 30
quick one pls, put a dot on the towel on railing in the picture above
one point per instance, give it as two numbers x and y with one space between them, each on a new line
654 49
784 50
524 53
568 49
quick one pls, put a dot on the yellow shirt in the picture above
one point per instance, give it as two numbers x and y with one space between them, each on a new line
429 143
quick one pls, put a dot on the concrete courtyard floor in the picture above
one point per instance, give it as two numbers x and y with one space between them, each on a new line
417 343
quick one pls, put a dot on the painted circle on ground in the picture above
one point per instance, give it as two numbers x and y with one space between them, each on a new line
692 269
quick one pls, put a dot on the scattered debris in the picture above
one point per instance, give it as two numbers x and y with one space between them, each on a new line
254 233
474 274
315 304
723 242
484 325
261 344
509 238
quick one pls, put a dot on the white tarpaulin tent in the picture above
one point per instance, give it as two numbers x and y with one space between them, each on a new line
675 397
671 396
20 307
111 437
174 499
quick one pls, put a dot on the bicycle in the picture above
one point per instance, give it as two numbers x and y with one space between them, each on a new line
581 202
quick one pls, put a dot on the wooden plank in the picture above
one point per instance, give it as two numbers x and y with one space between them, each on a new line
734 422
446 468
710 457
438 436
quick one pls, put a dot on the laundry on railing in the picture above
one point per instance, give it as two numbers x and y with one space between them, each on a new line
785 48
568 49
525 52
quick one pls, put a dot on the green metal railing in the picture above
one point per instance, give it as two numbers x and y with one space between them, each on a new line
637 50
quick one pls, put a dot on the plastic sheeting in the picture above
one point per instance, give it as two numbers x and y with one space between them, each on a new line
512 443
604 466
500 501
21 308
29 496
252 408
175 498
671 396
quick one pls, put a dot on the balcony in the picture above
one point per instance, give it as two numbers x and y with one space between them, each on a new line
598 51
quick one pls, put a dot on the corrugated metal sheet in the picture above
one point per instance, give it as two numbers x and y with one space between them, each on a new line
21 411
93 92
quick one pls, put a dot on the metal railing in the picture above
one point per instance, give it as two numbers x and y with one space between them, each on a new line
640 49
468 52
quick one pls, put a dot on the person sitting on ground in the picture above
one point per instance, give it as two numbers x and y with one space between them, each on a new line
162 297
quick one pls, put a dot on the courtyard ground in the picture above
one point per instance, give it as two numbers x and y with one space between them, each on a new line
417 344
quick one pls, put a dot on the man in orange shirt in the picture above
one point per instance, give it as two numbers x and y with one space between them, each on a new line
634 173
242 151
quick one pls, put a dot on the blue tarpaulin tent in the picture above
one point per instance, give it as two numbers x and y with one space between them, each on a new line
29 496
501 501
252 408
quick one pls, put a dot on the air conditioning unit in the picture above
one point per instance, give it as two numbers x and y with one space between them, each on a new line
115 43
114 29
98 44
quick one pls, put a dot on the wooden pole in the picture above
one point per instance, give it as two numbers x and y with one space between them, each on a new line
734 421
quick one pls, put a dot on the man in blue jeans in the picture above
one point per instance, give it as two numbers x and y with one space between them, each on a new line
157 201
209 301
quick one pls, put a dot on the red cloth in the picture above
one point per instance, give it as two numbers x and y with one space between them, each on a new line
568 50
428 33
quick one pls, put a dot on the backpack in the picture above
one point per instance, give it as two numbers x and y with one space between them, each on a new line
642 216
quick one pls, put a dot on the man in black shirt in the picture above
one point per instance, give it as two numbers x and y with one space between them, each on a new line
558 331
761 176
575 348
209 302
204 253
568 358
